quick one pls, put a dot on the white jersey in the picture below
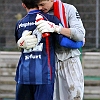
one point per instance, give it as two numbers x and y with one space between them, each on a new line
69 81
77 33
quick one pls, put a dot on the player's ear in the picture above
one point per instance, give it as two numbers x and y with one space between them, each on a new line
24 6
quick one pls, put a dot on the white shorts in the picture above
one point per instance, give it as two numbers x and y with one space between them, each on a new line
69 82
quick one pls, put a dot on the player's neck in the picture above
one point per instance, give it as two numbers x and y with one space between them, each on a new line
28 10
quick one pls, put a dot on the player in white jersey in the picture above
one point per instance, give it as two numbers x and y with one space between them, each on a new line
69 82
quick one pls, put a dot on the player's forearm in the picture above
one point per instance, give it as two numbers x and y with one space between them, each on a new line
74 34
77 34
66 32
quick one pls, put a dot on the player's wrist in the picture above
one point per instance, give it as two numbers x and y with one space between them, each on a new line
58 29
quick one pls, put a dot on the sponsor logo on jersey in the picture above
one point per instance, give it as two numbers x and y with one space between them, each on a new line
26 24
31 56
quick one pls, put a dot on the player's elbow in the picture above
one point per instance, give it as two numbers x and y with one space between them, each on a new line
78 35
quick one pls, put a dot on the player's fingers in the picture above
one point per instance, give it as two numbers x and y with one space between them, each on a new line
41 25
29 33
39 22
26 32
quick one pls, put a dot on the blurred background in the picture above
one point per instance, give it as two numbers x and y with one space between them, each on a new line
11 11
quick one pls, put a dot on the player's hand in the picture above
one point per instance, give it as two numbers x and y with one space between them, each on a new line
46 26
27 41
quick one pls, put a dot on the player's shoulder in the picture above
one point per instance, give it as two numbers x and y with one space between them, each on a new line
51 18
27 17
19 21
48 16
69 6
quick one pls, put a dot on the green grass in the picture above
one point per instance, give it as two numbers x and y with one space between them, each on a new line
92 77
91 99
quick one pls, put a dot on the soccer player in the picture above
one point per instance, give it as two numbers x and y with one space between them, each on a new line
36 68
69 83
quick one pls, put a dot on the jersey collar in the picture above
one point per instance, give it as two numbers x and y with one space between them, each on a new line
34 11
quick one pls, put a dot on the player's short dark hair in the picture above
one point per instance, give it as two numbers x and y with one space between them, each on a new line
30 3
38 1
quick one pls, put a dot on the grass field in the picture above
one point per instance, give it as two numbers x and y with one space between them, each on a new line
91 99
14 99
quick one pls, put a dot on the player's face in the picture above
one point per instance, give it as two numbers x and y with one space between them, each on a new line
45 5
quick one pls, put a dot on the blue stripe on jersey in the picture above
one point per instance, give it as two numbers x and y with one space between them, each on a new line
25 70
38 72
32 71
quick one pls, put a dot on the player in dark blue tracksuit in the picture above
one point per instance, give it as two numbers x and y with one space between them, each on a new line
36 68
